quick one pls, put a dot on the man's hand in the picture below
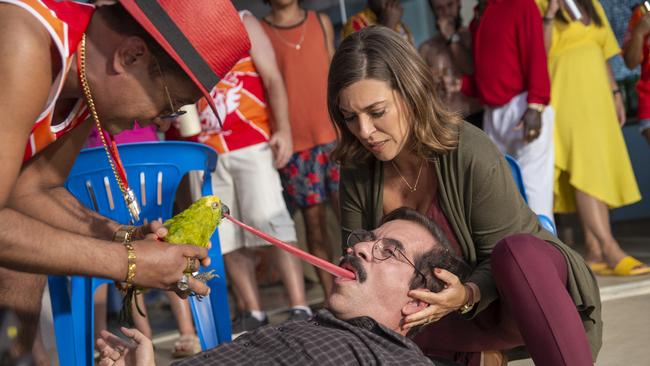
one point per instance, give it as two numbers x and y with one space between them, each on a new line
391 14
282 148
161 265
113 351
153 230
531 123
620 108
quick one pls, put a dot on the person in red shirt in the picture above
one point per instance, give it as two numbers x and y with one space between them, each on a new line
636 51
133 66
511 79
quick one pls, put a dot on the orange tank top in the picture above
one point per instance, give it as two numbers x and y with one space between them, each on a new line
65 21
303 59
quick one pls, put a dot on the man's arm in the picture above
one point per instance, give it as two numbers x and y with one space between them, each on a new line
39 191
635 37
30 243
263 57
533 54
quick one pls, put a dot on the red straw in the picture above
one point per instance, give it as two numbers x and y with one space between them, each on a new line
318 262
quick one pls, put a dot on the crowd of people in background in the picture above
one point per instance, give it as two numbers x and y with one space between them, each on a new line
547 85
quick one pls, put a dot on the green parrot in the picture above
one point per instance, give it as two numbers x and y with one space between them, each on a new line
194 226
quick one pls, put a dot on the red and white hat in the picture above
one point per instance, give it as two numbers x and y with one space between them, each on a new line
205 37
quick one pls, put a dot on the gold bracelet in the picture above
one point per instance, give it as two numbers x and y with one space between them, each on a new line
537 107
124 234
130 273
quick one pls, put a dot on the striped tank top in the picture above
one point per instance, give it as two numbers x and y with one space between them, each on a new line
65 21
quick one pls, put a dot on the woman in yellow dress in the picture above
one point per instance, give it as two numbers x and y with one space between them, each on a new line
592 168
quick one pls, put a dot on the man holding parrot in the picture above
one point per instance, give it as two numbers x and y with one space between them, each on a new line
64 68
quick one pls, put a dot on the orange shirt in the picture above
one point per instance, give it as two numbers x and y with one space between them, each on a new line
65 22
304 69
240 102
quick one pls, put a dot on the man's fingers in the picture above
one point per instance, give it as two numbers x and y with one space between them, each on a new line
192 251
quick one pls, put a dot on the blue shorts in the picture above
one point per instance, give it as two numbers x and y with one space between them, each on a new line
310 176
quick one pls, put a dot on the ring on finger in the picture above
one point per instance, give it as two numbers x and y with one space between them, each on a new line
184 283
192 265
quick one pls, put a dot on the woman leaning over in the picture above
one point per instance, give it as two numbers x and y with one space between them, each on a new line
400 147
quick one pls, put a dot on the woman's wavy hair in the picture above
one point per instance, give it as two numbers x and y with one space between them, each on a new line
379 53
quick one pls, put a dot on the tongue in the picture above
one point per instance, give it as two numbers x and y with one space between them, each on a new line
318 262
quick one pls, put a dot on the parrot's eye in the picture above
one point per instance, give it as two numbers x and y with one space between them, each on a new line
215 205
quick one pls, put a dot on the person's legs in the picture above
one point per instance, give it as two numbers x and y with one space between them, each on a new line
22 292
240 268
318 241
141 322
594 216
531 276
188 343
537 162
101 309
261 205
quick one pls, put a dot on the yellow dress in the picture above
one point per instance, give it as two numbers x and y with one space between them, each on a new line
590 152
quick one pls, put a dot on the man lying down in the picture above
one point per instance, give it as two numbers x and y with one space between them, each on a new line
362 323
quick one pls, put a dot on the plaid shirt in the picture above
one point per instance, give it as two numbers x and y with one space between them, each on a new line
321 340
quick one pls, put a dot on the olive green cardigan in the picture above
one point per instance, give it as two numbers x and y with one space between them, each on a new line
479 197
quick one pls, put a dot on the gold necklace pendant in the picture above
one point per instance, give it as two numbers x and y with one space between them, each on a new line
127 193
414 187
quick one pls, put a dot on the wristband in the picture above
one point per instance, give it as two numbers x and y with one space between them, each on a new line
124 234
469 305
537 107
130 254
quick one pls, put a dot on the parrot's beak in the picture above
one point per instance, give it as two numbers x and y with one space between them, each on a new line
224 209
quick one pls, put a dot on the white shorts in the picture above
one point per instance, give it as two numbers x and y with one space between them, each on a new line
249 185
536 158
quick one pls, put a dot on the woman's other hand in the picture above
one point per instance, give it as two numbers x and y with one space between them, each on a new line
451 298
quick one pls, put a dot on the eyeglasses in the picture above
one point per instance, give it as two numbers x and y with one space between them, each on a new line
175 113
382 248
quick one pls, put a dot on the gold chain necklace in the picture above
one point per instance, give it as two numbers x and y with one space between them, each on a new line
298 45
412 188
127 193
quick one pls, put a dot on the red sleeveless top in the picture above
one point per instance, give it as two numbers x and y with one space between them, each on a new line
65 21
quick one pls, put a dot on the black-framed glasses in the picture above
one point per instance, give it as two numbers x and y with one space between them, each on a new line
382 249
175 113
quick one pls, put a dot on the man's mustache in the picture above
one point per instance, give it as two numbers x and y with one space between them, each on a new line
355 262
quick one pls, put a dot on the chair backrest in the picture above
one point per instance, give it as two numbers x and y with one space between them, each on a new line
516 175
154 171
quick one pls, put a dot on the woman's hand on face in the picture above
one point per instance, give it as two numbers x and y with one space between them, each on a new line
451 298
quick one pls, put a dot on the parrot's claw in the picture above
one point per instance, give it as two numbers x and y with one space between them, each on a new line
206 276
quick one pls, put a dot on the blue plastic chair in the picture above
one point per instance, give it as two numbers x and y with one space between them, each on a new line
154 171
545 221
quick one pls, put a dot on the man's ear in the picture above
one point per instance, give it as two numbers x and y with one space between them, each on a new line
131 52
413 306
